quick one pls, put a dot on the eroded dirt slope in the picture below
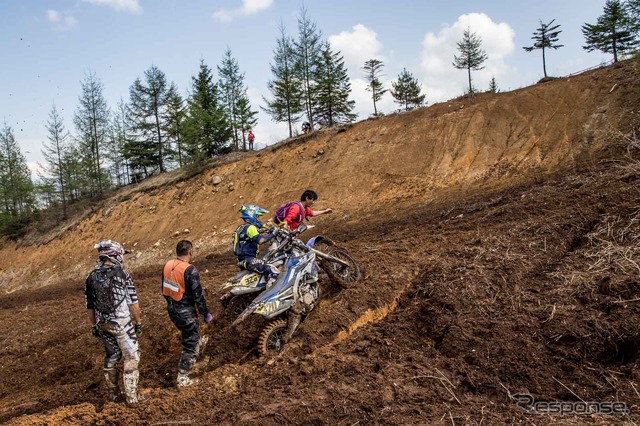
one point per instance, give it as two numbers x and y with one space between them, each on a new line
492 139
492 278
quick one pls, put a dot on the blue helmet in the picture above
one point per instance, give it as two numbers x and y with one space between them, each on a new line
250 213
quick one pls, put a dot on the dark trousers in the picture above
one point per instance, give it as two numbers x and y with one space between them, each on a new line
258 265
185 318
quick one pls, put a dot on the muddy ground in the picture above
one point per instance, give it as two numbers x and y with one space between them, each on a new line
466 301
499 239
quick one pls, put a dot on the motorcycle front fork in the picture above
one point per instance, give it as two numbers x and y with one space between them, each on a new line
293 321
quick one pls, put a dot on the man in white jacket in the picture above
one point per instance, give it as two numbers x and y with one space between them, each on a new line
114 312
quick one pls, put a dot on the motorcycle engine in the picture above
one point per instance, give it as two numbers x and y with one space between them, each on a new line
308 295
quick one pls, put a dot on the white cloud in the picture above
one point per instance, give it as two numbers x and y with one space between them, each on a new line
357 47
36 169
132 6
59 21
364 101
254 6
442 81
224 15
53 15
249 7
70 21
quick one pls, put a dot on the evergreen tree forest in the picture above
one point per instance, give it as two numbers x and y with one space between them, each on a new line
16 188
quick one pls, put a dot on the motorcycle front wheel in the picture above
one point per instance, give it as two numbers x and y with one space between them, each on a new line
271 339
237 305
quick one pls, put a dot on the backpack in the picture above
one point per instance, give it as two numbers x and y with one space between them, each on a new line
104 293
238 239
282 211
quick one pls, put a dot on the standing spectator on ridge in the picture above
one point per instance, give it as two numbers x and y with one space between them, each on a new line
183 292
251 138
294 213
111 298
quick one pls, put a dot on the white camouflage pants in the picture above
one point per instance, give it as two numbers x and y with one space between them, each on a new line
120 341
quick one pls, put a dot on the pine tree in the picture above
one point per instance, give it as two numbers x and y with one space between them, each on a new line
406 91
286 90
207 130
118 139
472 56
614 31
545 37
46 191
633 9
237 102
147 105
331 92
53 153
16 187
230 86
140 151
92 125
176 113
493 86
246 118
308 48
74 173
373 72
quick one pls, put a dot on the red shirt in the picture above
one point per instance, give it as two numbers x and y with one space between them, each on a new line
293 215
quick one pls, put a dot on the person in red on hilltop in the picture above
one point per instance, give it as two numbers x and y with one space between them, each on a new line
251 138
298 211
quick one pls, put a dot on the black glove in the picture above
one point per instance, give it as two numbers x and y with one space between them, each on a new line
95 330
138 328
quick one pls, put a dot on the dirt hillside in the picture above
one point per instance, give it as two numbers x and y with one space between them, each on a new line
499 236
408 157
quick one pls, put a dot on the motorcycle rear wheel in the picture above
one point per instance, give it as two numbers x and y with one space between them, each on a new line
271 339
345 277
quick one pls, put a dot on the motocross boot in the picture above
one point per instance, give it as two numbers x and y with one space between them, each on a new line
183 380
111 377
292 324
225 298
131 387
270 283
202 344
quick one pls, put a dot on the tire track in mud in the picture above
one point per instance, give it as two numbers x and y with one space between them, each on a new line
373 315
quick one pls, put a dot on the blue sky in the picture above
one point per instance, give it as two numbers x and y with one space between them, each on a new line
47 46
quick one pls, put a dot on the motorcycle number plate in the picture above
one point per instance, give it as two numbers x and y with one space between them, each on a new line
251 279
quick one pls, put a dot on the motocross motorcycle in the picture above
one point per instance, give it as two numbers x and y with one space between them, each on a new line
291 298
242 288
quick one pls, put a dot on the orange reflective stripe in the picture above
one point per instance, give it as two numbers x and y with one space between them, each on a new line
173 279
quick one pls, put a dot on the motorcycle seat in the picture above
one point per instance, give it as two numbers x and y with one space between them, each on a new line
237 277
